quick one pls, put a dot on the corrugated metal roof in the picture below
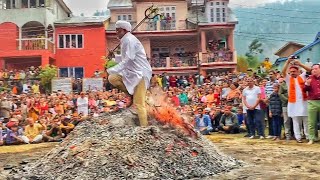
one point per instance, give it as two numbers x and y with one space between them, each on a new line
119 4
78 20
316 41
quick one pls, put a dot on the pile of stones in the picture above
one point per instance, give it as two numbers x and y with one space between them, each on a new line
113 147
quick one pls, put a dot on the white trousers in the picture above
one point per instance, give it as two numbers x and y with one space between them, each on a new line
298 121
37 139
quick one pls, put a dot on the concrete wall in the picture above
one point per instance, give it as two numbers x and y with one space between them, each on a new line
45 16
116 12
8 35
312 53
90 56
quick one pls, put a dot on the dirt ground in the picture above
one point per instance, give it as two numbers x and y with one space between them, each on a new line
265 159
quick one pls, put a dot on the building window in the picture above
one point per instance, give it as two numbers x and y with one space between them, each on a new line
211 15
125 17
218 12
8 4
68 72
218 15
74 41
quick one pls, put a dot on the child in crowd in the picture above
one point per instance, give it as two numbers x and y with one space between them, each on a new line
275 111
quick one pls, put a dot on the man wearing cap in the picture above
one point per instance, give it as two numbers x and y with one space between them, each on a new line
133 73
297 97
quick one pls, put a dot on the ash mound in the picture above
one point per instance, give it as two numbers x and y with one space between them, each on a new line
113 147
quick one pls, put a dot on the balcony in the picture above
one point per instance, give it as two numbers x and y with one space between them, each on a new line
183 61
22 16
35 44
164 25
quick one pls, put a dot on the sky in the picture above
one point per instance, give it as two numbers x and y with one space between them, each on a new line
88 7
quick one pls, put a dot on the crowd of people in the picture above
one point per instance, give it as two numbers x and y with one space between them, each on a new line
176 60
218 52
225 103
35 117
237 102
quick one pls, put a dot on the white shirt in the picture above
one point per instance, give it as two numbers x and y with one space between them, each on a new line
299 108
251 95
134 65
83 104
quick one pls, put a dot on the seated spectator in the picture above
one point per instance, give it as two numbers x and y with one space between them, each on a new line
33 131
203 122
15 136
66 126
54 132
229 122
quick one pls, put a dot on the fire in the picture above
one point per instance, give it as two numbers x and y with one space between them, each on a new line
167 115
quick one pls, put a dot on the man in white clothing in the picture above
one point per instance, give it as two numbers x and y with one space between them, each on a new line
82 104
297 98
133 73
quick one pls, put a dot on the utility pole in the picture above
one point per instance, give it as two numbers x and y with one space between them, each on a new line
198 41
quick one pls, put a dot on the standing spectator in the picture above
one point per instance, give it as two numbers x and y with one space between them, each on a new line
5 108
165 81
269 89
83 104
297 97
183 98
251 99
283 93
275 111
36 87
173 81
313 87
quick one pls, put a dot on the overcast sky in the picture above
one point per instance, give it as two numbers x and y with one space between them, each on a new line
88 7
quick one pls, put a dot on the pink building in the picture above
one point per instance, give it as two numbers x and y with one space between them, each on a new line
189 30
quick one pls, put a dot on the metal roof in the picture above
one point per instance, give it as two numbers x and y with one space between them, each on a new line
315 42
119 4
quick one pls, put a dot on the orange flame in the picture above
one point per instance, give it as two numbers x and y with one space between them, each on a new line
167 115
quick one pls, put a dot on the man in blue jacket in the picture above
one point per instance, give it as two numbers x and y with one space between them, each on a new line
203 122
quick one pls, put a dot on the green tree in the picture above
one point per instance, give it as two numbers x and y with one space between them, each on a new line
242 64
252 55
46 74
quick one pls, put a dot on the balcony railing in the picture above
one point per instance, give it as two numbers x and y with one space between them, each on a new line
173 62
221 57
165 25
36 44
